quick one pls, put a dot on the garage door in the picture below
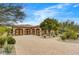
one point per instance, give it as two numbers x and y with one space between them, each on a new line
19 32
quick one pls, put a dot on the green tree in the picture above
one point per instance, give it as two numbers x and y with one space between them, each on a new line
10 14
49 24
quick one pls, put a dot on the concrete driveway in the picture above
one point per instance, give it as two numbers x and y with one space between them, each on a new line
35 45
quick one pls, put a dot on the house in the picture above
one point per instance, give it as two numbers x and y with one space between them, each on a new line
27 30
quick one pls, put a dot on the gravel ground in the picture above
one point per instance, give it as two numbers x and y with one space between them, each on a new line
35 45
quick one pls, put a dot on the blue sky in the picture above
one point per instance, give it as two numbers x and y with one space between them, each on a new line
37 12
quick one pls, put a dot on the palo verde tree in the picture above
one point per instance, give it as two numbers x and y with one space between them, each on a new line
49 24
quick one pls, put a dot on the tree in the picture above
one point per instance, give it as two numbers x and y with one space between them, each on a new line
10 14
49 24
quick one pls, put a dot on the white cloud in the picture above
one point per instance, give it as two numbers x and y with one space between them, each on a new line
58 6
42 14
51 11
58 10
25 23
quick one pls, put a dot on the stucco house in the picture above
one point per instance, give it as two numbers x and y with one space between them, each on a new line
27 30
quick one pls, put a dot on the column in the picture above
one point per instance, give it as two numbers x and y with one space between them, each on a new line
23 31
35 31
30 31
40 31
13 32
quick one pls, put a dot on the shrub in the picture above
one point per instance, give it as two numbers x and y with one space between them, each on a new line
69 35
56 33
64 36
11 40
8 49
73 35
3 29
2 42
78 35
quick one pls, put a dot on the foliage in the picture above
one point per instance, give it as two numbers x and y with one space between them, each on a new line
69 35
49 24
68 25
2 41
73 35
11 13
8 49
68 29
11 40
4 29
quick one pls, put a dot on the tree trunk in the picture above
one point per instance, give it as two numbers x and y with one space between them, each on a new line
49 32
12 30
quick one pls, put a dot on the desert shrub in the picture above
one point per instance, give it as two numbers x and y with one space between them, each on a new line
56 33
73 35
8 49
11 40
2 30
64 36
2 41
78 35
69 35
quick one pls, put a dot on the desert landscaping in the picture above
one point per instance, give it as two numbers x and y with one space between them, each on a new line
39 31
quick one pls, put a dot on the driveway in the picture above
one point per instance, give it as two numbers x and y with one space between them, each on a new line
35 45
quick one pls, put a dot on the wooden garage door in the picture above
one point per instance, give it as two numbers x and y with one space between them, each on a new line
27 31
19 32
33 31
38 32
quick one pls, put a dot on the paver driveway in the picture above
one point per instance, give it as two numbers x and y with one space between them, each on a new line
35 45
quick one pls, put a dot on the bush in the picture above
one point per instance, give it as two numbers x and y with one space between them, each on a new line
78 35
2 42
69 35
11 40
64 36
8 49
73 35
